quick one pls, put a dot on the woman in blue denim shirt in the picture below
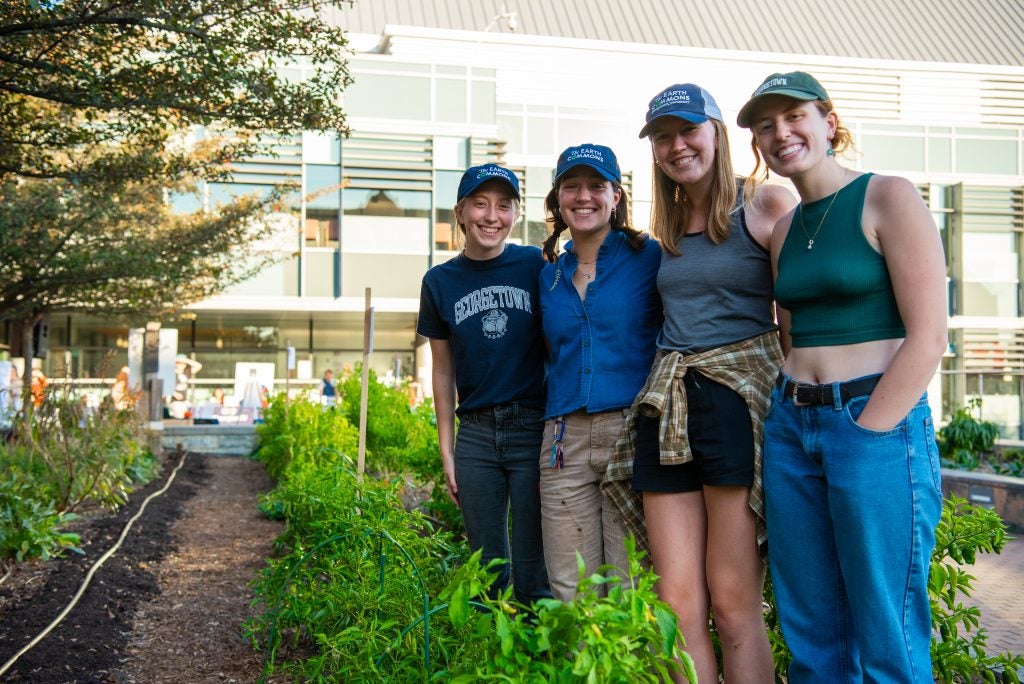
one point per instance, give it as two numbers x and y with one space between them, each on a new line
480 312
601 314
851 471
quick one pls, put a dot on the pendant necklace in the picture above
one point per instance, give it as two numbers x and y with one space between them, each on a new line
810 238
581 262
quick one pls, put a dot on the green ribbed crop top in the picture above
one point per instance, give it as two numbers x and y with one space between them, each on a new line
839 292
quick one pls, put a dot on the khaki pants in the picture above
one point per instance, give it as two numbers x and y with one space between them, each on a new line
575 515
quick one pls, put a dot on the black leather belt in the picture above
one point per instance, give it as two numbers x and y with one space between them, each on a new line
803 394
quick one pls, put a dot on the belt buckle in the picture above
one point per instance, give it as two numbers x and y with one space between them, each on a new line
795 395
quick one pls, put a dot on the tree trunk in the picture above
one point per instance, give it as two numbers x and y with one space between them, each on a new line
28 325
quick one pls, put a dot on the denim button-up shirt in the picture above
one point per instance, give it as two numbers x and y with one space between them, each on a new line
601 348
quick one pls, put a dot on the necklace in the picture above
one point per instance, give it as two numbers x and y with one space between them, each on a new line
588 276
810 238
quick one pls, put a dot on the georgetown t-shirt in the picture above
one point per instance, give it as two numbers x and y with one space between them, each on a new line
489 312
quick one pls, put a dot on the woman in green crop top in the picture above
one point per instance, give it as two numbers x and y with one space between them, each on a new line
851 472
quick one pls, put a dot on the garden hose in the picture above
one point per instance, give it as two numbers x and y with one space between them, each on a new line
95 566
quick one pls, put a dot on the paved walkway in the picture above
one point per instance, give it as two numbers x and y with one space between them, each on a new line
999 595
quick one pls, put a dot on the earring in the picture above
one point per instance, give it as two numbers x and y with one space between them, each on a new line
830 152
613 212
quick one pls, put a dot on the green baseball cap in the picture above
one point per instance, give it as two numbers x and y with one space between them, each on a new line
799 85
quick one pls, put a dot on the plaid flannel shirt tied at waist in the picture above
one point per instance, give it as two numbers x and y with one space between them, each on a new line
748 368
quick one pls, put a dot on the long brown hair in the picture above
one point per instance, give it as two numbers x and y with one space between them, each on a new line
670 210
620 220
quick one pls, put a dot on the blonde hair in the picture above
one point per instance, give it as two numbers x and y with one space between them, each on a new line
670 210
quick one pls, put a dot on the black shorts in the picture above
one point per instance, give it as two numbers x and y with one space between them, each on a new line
721 440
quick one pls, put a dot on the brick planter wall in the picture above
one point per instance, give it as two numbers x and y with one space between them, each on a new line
1003 493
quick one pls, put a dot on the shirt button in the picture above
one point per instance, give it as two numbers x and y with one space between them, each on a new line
586 371
586 343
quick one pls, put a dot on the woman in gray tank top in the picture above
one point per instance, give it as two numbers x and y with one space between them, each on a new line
699 418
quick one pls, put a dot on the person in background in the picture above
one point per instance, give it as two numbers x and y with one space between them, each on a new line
39 381
480 314
699 419
119 392
328 391
218 396
601 314
851 468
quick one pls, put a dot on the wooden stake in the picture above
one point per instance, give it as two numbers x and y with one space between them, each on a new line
364 389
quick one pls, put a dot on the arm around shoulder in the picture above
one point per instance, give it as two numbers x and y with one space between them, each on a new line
770 204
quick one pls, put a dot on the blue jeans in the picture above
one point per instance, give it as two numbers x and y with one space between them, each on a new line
496 471
851 525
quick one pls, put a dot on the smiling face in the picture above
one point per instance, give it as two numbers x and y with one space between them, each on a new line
793 136
684 151
486 218
586 200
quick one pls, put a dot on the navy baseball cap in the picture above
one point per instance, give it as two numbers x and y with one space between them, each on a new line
475 176
685 101
597 157
799 85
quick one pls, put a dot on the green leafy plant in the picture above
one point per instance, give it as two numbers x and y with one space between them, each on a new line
964 440
624 635
348 596
959 645
30 526
1009 462
301 433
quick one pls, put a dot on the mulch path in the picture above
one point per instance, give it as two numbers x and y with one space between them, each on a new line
169 605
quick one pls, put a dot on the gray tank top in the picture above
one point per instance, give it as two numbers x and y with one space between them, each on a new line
714 295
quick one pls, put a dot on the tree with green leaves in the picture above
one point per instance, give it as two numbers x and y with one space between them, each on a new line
109 106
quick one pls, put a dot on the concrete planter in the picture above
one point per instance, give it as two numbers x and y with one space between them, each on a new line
221 440
1003 493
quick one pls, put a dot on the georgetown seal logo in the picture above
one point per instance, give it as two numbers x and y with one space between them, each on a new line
495 324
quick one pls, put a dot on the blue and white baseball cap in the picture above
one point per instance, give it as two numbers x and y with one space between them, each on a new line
597 157
685 101
475 176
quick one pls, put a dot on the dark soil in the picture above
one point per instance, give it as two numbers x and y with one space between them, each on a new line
168 605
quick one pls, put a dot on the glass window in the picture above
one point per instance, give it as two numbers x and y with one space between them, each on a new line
894 153
990 256
510 127
451 100
990 299
940 155
446 186
537 229
375 95
225 193
451 153
367 202
319 276
185 203
540 135
321 227
320 148
1000 400
484 109
323 186
986 156
577 131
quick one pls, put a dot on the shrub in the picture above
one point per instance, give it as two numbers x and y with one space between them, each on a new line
958 643
64 458
627 636
965 438
304 433
347 598
30 525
